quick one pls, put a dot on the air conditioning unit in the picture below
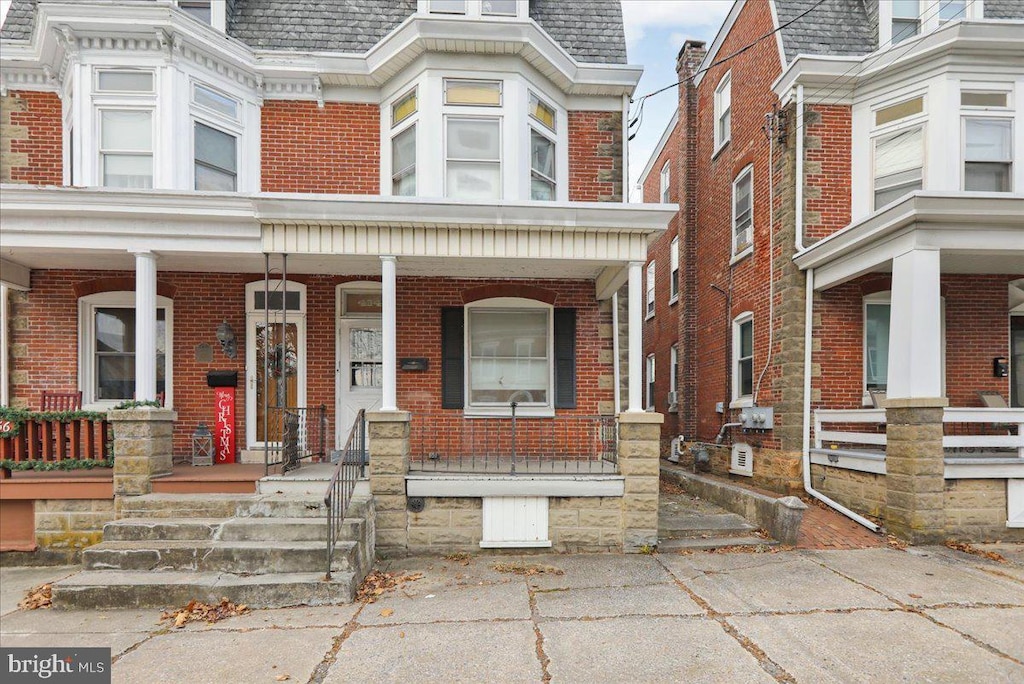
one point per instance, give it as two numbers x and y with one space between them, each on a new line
672 399
742 461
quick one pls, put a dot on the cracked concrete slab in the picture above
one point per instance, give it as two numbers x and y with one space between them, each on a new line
283 618
220 657
1001 628
873 646
647 650
593 570
656 599
470 652
921 578
796 584
50 621
15 582
454 604
118 642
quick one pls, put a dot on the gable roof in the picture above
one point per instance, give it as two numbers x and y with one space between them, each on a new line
589 30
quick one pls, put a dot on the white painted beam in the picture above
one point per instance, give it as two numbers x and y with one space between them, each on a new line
14 276
609 281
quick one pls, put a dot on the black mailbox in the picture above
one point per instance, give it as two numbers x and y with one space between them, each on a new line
222 379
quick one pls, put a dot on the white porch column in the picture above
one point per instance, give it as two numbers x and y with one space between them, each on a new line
915 327
636 343
145 326
389 398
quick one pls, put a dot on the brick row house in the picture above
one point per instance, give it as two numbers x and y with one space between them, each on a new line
838 305
410 208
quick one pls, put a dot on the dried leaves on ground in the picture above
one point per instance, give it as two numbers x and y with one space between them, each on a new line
528 569
670 487
967 548
377 582
895 542
460 557
197 611
37 597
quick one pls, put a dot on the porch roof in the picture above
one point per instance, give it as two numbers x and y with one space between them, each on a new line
203 231
975 233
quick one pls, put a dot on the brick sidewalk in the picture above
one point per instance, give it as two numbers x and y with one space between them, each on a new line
824 528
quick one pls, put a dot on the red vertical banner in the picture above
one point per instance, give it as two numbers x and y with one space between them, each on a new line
224 401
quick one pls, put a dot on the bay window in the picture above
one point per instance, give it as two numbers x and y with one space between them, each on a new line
107 347
541 120
743 359
216 159
906 19
898 165
403 145
473 158
126 148
988 154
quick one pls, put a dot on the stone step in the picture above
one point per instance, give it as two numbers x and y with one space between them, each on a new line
227 529
666 545
249 557
700 525
230 506
293 484
140 589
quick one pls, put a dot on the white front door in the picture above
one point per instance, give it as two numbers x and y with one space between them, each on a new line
359 371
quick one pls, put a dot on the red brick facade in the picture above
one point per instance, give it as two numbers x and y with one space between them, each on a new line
44 336
333 149
827 154
595 156
31 147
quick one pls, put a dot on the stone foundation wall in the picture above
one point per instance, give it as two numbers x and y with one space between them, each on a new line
71 524
860 492
976 511
778 471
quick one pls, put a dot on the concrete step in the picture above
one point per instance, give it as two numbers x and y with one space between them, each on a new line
684 526
141 589
311 479
227 529
249 557
666 545
223 506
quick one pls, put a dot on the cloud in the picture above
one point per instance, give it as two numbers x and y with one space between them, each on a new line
679 15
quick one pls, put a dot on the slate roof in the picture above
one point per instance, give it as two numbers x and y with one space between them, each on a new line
589 30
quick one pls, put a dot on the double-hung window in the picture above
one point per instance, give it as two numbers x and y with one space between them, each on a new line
673 261
666 178
542 121
107 345
472 141
447 6
988 154
125 114
743 212
743 358
673 369
906 19
215 139
952 10
898 151
650 290
509 356
723 111
403 144
649 386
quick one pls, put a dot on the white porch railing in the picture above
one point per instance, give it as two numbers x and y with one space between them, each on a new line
1005 429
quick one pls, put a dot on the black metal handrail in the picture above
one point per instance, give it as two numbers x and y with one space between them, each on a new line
351 460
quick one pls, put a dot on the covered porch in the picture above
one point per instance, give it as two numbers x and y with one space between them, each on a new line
916 407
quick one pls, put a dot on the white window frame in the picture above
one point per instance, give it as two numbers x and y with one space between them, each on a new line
673 382
474 10
664 191
649 289
885 297
673 271
928 11
887 132
979 114
238 153
742 251
101 151
397 128
741 400
538 409
119 299
722 139
649 384
219 121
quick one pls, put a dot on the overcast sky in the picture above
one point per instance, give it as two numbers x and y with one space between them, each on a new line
655 30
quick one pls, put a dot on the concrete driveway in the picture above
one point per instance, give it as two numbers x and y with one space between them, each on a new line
925 614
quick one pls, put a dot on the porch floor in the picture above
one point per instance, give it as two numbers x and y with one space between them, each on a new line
233 478
494 465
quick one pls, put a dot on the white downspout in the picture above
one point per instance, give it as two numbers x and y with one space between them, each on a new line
808 329
625 153
799 132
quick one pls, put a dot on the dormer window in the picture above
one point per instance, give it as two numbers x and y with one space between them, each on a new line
952 10
476 8
447 6
198 9
906 19
501 8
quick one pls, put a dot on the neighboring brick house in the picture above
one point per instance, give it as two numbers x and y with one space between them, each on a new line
444 177
889 188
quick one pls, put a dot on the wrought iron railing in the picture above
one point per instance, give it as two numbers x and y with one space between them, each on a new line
300 433
451 442
351 461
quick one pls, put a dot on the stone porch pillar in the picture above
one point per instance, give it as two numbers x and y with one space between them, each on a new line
639 450
915 403
389 462
142 448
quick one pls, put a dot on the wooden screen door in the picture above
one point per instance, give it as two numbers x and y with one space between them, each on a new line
279 348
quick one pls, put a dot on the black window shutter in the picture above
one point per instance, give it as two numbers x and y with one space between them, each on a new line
565 358
452 353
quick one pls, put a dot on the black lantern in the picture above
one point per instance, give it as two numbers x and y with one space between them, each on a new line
202 446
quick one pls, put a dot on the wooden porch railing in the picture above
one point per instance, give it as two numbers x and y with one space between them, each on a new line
55 439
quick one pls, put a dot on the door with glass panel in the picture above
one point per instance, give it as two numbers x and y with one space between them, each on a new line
360 367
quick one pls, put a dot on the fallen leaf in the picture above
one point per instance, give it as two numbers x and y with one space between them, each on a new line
377 583
37 597
282 678
401 635
387 612
915 596
196 611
